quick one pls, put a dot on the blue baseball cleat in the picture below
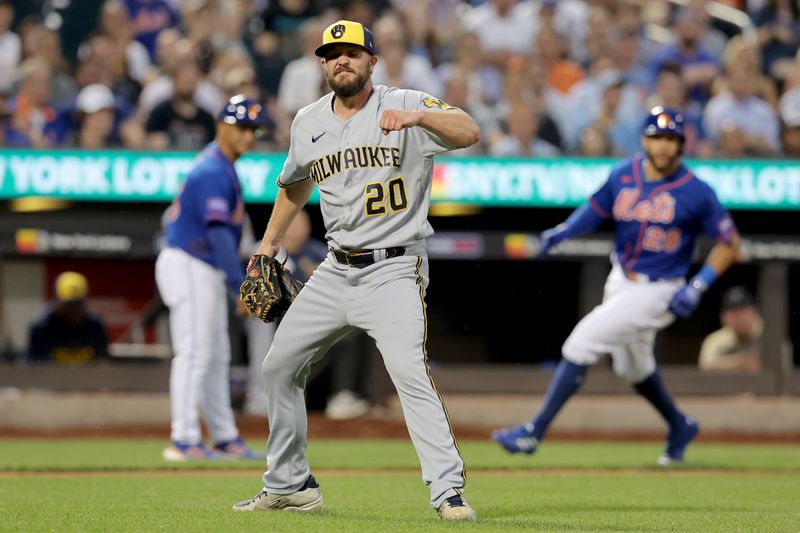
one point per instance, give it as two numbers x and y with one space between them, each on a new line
518 439
677 441
237 449
181 451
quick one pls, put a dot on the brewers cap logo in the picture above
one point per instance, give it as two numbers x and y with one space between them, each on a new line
663 121
337 31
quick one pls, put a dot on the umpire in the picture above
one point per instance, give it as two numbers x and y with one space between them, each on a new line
198 272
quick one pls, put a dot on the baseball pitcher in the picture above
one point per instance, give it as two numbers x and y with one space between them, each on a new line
369 152
658 207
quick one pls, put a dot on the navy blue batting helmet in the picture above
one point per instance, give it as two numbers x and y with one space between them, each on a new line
243 111
663 121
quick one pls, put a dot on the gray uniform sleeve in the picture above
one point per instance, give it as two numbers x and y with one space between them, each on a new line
293 172
428 143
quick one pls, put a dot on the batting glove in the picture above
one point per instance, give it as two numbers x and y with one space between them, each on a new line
686 300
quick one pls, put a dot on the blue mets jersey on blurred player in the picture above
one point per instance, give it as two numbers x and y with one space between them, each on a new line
211 195
657 222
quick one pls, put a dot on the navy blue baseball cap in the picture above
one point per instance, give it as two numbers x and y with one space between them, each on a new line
243 111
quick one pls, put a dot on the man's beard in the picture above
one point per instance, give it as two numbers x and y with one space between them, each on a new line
671 162
350 87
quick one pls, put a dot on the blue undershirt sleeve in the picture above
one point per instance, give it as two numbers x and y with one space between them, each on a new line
227 258
583 220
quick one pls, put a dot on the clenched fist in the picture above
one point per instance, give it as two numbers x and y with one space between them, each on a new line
396 120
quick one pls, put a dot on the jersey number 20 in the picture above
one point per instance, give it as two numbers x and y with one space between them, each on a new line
376 194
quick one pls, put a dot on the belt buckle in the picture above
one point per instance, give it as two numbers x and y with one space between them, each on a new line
348 256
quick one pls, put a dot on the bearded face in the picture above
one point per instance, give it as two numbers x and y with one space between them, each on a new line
348 69
663 152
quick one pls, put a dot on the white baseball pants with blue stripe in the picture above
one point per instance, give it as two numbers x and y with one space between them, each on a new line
195 293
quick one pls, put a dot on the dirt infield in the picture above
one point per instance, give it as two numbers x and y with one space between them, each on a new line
376 428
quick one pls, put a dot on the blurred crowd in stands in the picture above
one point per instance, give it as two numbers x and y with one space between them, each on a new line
542 77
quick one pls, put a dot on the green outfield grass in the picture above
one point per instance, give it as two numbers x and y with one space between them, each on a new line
566 487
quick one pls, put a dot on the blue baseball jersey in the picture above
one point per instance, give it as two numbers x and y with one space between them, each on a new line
657 222
211 195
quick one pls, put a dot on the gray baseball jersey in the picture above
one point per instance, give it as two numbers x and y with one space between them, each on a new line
384 197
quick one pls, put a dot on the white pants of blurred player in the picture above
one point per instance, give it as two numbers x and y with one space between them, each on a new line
624 325
196 295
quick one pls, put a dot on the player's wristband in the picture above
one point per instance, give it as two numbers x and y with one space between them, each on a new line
703 279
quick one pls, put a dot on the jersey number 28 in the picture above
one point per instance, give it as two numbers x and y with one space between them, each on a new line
377 193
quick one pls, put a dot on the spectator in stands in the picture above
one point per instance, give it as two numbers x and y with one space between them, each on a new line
522 138
285 17
68 332
115 22
111 57
10 47
712 40
33 120
552 52
485 83
396 67
504 27
46 44
457 93
699 66
594 142
778 24
207 96
524 82
597 40
737 345
743 52
179 123
101 123
241 80
302 82
738 108
624 52
790 122
149 18
670 91
617 112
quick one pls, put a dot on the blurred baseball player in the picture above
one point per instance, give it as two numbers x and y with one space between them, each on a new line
197 273
658 207
369 151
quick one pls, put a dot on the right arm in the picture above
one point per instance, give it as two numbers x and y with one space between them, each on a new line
289 202
585 219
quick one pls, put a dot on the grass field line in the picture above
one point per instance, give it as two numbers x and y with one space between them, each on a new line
555 472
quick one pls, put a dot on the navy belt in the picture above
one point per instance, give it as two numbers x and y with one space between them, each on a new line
362 258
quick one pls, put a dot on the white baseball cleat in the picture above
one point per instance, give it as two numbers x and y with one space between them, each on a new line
308 498
456 508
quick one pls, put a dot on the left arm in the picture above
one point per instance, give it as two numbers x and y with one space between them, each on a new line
722 256
455 127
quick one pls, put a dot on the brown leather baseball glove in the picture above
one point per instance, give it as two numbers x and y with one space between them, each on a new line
268 288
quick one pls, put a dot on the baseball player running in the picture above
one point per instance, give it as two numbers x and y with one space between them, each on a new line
369 151
658 207
197 273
